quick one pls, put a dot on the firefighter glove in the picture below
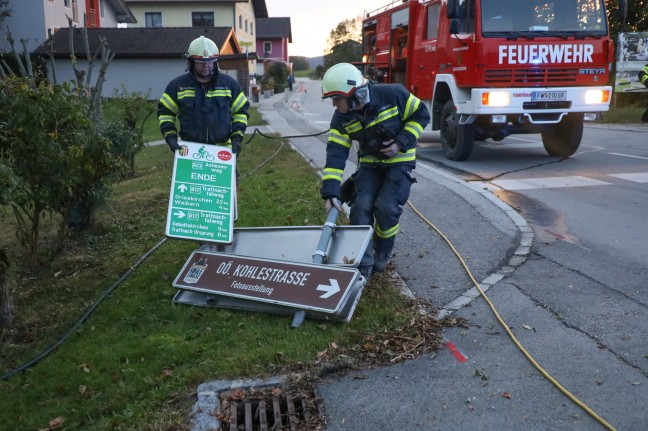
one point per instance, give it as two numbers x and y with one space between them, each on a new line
236 145
331 203
172 142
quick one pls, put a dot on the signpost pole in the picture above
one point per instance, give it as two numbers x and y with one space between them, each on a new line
318 257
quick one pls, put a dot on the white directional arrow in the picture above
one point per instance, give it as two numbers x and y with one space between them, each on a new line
182 187
329 290
180 214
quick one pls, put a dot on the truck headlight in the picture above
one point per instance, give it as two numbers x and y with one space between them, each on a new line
496 98
593 97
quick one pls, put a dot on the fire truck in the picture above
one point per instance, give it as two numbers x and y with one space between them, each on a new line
492 68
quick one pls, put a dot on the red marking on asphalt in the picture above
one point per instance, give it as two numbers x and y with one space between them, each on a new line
554 234
457 354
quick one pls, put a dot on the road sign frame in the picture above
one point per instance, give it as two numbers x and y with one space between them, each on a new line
209 173
215 272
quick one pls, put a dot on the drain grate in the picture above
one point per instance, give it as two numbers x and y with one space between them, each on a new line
269 411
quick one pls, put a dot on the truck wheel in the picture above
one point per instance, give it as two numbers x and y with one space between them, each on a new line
564 138
457 145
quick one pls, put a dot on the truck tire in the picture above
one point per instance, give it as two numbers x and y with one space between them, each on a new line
565 137
457 144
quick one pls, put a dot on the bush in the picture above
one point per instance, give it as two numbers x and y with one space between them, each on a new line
61 159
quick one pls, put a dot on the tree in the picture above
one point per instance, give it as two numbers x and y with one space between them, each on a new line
346 52
7 180
127 135
299 62
278 76
5 11
349 29
636 17
344 43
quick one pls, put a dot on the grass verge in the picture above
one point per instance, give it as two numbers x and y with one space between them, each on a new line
136 362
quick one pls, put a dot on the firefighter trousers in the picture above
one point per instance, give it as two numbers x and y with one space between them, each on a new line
382 190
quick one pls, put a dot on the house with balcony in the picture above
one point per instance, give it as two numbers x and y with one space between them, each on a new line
31 19
241 15
273 37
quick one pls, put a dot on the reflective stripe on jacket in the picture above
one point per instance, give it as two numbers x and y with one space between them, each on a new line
391 107
209 113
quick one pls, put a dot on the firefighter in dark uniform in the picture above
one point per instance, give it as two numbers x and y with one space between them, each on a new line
209 105
643 77
386 120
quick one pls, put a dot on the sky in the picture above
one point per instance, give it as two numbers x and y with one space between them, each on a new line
312 20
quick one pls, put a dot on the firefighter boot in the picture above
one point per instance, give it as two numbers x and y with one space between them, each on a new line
382 251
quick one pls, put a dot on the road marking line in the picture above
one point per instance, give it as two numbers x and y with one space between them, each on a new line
629 155
497 146
548 183
638 177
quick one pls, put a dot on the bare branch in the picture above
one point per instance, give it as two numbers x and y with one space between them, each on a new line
28 62
21 66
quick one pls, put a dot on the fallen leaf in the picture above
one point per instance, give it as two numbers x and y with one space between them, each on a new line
56 422
83 389
237 394
277 392
166 373
527 327
506 395
334 345
84 367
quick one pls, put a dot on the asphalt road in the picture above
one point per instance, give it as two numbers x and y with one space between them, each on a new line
578 303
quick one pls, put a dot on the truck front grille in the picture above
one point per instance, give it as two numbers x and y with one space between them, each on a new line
531 77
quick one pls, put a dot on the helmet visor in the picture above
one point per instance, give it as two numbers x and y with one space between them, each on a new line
204 60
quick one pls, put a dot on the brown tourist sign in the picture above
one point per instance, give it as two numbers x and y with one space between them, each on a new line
314 287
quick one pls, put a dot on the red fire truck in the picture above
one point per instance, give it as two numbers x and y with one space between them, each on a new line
491 68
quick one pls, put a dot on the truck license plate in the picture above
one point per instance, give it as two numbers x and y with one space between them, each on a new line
548 95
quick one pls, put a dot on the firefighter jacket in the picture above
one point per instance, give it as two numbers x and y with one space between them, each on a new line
643 75
392 113
210 113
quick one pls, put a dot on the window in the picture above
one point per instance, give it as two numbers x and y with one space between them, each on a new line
240 22
432 22
102 11
246 25
467 12
66 3
202 19
252 28
153 19
267 47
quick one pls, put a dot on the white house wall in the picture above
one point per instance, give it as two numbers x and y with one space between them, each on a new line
139 75
135 74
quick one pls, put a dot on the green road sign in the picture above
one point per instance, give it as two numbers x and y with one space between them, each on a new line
203 193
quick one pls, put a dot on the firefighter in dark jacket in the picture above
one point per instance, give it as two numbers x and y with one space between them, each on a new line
386 120
643 77
210 106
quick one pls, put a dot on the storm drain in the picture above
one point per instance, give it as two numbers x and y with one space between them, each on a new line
273 411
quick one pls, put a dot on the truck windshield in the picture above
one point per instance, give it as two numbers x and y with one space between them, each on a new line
528 19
